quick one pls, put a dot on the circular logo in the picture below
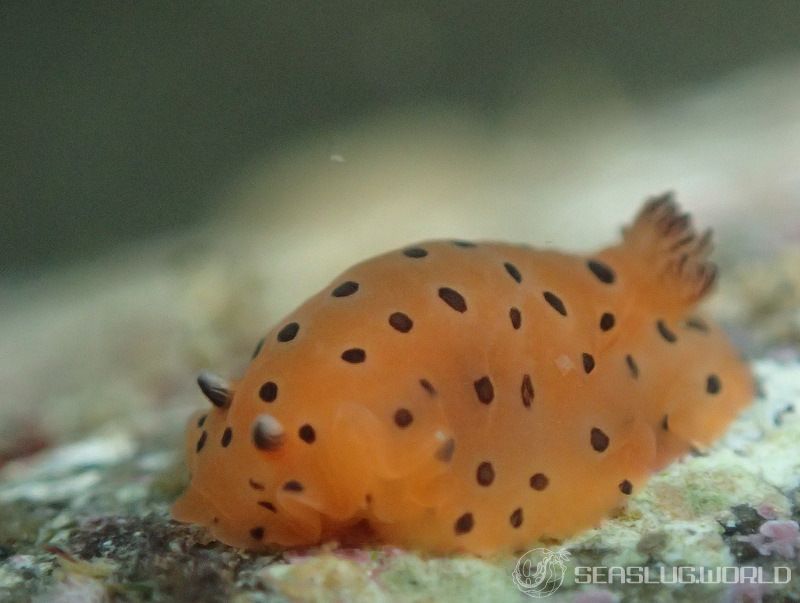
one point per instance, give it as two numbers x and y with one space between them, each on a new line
540 572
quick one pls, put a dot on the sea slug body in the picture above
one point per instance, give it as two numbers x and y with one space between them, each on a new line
478 397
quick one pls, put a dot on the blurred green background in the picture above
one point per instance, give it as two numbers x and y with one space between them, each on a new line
124 120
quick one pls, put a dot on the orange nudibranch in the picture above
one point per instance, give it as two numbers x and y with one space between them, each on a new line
458 396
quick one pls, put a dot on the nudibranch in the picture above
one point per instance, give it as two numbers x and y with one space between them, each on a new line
469 396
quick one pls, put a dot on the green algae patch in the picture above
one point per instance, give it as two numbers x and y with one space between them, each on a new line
410 578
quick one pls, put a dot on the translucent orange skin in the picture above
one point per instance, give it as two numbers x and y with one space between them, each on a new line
363 473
